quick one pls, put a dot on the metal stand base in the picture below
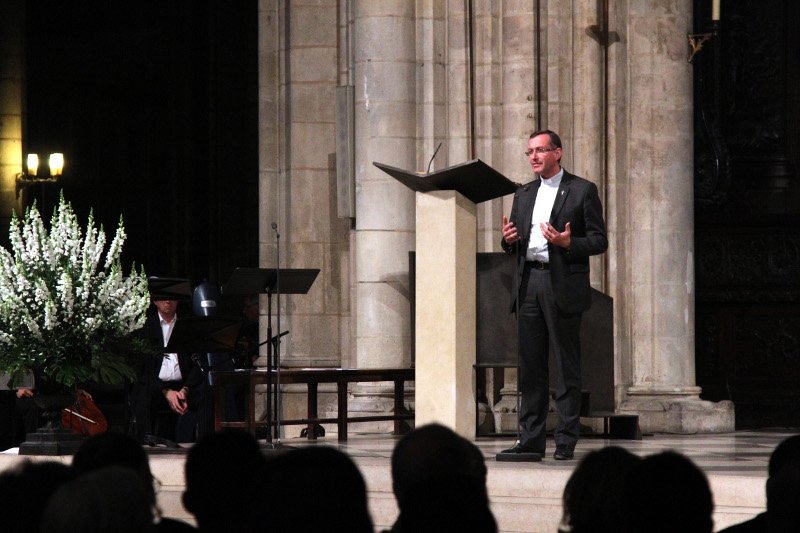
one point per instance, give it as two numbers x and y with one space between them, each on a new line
274 448
153 440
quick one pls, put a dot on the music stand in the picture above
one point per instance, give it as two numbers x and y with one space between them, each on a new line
245 280
204 334
169 288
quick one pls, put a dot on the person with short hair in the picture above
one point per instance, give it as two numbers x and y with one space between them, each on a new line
167 380
556 223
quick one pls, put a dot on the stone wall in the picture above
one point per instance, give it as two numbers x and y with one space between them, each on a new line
479 78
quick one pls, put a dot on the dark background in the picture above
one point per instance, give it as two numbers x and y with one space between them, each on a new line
747 210
155 107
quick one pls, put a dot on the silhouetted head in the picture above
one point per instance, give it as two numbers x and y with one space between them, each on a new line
666 493
114 449
25 491
431 452
787 453
439 481
783 486
309 490
219 470
593 494
114 498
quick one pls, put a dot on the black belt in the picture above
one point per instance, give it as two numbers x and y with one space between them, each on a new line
538 265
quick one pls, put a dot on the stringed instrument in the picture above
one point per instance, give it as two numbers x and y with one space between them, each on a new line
84 417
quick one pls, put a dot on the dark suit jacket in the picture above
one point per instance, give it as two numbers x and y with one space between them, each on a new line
578 203
148 375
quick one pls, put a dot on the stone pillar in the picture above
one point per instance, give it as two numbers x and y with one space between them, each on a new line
385 130
12 17
315 237
298 51
658 218
516 101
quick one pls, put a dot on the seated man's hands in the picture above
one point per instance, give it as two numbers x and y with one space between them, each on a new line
177 401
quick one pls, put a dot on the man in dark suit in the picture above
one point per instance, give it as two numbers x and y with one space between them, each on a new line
167 379
556 223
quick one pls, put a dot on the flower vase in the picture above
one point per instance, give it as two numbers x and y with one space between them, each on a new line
51 438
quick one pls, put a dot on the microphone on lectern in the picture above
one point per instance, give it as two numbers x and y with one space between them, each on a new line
434 155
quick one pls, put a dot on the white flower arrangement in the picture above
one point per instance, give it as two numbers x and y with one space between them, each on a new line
63 314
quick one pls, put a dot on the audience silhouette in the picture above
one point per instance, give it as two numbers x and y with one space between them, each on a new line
667 493
116 449
783 493
593 495
219 471
113 498
439 481
310 490
25 491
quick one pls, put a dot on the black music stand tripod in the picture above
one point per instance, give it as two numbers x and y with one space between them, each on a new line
272 281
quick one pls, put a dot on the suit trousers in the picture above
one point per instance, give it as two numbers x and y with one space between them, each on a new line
149 403
544 329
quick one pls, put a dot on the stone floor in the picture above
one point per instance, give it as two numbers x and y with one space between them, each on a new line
527 497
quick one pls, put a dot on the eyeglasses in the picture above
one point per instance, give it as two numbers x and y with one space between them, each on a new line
540 150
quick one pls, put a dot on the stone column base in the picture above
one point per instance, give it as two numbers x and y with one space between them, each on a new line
681 415
506 418
505 411
373 399
485 423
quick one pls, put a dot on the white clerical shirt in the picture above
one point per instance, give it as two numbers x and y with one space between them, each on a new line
170 370
545 199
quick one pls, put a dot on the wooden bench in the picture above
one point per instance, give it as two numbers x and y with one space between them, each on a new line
312 377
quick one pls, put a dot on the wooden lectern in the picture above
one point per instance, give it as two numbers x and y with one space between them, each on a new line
446 230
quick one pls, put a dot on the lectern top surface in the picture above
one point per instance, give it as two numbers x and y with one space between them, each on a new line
476 180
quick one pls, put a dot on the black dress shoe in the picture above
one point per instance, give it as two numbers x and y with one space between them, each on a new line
518 447
563 453
520 454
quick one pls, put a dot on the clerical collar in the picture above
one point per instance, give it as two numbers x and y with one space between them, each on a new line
555 181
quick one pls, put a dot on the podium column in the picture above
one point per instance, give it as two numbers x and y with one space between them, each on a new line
445 310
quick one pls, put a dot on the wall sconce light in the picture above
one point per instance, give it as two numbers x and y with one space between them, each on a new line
697 40
31 175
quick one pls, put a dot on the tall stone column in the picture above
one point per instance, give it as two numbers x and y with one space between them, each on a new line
298 73
385 131
12 16
506 113
658 218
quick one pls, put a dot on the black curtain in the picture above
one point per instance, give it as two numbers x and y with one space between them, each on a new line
155 107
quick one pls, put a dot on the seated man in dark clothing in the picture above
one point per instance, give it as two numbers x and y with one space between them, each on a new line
167 380
18 416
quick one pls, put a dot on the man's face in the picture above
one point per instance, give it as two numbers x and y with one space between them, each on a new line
251 311
166 308
543 163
